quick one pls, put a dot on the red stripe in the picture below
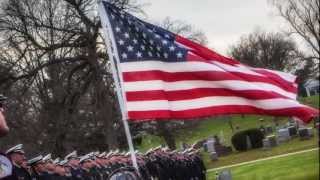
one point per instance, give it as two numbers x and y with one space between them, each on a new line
304 113
203 75
204 52
198 93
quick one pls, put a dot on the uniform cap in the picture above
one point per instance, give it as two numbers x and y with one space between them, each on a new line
47 158
16 149
84 158
2 98
109 154
71 155
56 161
102 155
62 163
35 160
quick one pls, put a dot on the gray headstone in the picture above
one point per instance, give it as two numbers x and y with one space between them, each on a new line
292 131
310 131
266 143
210 145
249 145
304 133
225 175
213 156
283 135
272 140
205 147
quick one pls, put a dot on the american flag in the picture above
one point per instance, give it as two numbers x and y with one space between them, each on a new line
167 76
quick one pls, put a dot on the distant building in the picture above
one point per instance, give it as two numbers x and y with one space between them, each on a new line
312 87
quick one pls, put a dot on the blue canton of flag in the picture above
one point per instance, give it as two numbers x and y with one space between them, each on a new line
140 41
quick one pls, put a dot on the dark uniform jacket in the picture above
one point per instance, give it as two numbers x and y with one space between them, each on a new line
20 173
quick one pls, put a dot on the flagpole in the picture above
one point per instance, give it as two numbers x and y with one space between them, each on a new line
113 55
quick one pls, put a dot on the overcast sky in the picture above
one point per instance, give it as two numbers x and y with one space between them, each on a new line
223 21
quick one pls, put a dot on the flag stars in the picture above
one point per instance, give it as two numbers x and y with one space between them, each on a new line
158 54
121 42
130 48
158 48
151 42
157 36
165 55
124 56
172 48
135 41
150 53
164 42
126 35
167 36
118 29
139 54
179 55
143 47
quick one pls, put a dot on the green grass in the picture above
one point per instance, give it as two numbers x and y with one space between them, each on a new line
238 157
303 166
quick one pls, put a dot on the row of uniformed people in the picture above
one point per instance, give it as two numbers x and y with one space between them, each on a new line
159 163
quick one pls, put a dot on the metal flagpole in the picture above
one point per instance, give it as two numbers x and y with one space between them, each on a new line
113 55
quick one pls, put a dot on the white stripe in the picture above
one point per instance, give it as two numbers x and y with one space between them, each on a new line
269 104
190 66
286 76
192 84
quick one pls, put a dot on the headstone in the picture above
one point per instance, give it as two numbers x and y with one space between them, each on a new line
283 135
224 175
304 134
272 140
266 143
249 145
205 147
213 156
310 131
210 145
292 131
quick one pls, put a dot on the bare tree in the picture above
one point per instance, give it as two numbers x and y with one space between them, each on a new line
53 50
184 29
303 16
267 50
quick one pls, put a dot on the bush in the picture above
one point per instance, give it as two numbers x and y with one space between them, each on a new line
239 139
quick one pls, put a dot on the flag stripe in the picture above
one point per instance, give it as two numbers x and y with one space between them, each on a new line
268 104
281 76
299 112
185 85
203 75
197 93
189 66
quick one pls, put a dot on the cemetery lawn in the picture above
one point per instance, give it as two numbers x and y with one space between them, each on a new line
293 145
304 166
